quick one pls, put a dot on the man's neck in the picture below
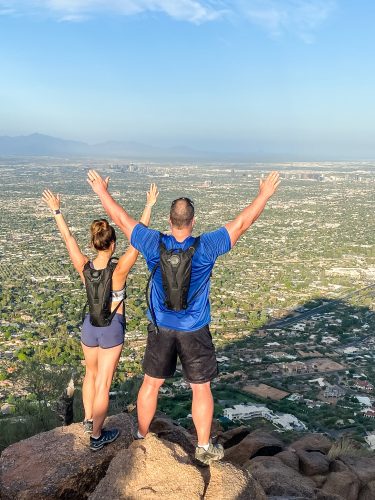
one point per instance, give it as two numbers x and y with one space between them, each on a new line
181 234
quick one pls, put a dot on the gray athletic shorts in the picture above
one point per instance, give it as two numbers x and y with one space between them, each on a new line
103 336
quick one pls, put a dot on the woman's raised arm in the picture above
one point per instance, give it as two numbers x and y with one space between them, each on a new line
76 256
127 261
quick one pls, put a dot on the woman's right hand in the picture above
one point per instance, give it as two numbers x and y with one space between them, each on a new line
52 200
152 195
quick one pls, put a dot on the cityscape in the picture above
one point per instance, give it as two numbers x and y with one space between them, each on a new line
292 303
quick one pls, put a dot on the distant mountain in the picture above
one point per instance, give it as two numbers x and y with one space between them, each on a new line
40 145
45 145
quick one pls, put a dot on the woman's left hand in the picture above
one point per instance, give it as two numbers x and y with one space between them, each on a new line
152 195
52 200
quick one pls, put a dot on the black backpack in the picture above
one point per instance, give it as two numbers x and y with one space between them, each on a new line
175 266
98 289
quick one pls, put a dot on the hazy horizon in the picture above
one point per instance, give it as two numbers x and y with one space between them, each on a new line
287 77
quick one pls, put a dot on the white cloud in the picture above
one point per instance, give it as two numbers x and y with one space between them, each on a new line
300 17
276 17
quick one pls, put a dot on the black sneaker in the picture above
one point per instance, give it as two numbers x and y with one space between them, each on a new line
214 452
87 426
106 437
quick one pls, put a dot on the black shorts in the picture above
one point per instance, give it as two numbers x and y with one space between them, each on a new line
195 350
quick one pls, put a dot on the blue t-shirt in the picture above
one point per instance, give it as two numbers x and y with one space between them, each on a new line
211 246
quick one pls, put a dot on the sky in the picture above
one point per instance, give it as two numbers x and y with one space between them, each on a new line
265 76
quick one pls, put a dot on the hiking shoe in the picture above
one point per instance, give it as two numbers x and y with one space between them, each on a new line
214 452
136 437
87 426
106 437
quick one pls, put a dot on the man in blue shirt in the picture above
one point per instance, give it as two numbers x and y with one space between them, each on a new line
182 333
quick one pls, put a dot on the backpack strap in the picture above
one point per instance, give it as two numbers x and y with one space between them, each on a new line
149 288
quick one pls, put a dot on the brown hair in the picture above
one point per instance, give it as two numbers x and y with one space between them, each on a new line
102 234
182 212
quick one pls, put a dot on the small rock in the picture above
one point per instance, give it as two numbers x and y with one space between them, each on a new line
367 492
312 442
344 484
313 462
290 458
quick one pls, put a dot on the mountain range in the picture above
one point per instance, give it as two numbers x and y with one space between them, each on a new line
45 145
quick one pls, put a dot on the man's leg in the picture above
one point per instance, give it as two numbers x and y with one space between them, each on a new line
202 411
147 402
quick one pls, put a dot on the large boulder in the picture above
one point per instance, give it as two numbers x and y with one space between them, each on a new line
165 428
277 479
256 443
59 463
343 484
233 436
313 462
227 482
312 442
290 458
151 468
362 467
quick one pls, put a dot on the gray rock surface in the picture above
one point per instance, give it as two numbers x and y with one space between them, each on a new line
59 463
276 478
312 442
313 462
344 484
256 442
154 468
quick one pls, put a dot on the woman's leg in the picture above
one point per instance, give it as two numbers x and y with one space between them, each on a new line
107 363
88 388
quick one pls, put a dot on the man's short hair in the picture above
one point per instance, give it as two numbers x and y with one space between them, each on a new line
182 212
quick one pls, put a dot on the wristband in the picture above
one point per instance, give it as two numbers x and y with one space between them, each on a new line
56 212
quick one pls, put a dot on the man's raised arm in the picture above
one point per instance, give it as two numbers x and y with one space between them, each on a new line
115 211
249 215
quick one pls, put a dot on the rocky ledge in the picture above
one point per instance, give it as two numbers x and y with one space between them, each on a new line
257 466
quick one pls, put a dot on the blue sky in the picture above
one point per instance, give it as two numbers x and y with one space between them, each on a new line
277 76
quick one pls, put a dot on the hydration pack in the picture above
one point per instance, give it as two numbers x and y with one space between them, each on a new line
98 283
175 266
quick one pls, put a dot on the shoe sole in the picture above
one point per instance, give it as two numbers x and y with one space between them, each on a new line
208 461
103 444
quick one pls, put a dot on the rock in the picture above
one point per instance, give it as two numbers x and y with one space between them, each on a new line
367 492
337 466
169 430
321 495
278 479
363 467
233 436
289 458
59 463
312 442
344 484
313 462
257 443
230 483
319 480
151 468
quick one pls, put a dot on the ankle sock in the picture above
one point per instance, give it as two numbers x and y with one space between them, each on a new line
205 446
139 435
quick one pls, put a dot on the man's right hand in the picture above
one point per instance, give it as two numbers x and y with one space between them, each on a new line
268 186
97 183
